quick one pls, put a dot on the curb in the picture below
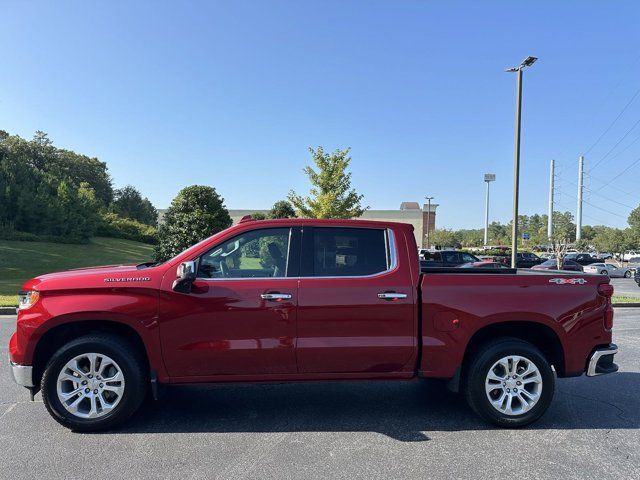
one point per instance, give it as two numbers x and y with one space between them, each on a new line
8 310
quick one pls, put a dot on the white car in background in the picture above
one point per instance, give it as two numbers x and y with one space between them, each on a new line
634 262
608 269
628 255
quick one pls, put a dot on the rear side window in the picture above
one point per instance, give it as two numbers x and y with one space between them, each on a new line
466 258
451 257
348 252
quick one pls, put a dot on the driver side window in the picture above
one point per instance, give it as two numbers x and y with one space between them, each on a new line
255 254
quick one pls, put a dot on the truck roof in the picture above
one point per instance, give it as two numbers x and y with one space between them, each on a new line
328 222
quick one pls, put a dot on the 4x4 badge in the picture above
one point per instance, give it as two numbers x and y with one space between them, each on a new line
569 281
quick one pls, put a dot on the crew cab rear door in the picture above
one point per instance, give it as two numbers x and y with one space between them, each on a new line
355 302
240 316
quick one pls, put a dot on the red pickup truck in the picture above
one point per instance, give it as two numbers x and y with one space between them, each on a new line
301 300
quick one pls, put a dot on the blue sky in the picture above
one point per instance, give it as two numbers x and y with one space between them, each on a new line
232 94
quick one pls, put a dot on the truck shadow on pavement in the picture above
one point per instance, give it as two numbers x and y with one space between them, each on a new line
404 411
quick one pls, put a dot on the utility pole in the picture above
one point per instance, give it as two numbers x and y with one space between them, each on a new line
527 62
488 178
428 220
579 212
550 213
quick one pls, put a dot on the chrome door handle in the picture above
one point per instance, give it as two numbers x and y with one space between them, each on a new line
391 295
275 296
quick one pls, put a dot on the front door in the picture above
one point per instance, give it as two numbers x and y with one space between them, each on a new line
356 306
240 316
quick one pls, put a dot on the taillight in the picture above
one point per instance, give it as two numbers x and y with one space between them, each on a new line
606 290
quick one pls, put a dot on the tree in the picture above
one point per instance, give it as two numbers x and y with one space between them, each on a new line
634 219
614 240
443 237
331 195
77 211
471 238
499 234
128 203
196 213
282 209
563 234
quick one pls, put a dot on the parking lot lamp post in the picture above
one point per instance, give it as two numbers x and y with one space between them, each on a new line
527 62
428 220
488 178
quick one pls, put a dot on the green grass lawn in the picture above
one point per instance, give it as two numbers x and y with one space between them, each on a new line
621 299
20 261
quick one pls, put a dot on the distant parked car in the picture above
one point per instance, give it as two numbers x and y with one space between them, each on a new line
628 255
552 265
604 256
608 269
636 276
446 258
524 259
581 258
634 261
484 264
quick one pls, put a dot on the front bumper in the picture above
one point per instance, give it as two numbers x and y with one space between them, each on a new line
22 374
601 361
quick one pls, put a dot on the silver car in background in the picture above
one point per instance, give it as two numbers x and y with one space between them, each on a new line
609 269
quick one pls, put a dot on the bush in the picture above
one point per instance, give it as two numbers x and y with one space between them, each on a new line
115 226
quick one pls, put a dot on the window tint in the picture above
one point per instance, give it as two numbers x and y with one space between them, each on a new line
433 257
349 252
254 254
468 258
450 257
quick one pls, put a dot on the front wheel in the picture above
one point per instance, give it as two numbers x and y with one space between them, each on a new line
509 383
94 383
604 272
627 274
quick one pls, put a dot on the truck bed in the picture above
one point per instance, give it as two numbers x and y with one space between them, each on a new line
457 303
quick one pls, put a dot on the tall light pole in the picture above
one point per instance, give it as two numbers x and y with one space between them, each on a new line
580 189
488 178
527 62
428 199
550 211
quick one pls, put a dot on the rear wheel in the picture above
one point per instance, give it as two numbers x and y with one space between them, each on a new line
604 272
627 274
94 382
509 383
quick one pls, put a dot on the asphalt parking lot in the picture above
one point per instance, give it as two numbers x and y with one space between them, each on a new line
336 430
626 287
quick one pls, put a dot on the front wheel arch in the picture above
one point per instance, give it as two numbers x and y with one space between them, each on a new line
56 337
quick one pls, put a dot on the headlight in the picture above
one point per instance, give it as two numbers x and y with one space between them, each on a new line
27 299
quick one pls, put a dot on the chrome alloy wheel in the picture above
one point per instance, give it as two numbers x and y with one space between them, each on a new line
90 385
513 385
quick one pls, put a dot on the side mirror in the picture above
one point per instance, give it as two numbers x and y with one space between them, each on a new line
185 275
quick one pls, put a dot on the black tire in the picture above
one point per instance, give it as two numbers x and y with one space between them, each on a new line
627 274
604 272
124 354
476 374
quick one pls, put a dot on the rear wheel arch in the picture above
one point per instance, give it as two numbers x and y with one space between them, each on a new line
539 335
54 338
